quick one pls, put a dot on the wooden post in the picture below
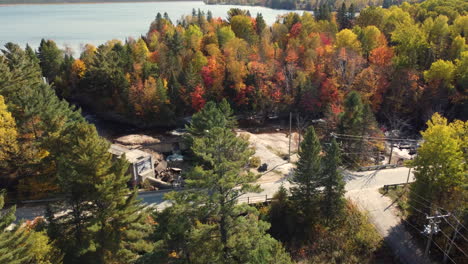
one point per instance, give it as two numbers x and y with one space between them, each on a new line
248 202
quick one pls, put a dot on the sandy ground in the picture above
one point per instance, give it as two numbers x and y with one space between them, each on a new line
270 147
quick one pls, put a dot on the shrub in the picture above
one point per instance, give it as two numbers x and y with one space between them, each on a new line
255 162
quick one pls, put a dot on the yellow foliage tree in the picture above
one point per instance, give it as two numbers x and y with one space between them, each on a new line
78 69
440 166
348 40
8 133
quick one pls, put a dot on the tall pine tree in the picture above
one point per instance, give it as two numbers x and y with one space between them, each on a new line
212 115
333 202
20 244
307 179
50 59
215 229
104 222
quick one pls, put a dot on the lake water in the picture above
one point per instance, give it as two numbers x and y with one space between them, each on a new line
74 25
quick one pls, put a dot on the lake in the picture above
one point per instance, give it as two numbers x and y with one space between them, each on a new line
73 25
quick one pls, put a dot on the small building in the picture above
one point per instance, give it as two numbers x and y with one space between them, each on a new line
141 163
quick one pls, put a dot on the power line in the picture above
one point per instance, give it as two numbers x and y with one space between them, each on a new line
431 229
458 232
419 202
442 209
417 209
459 222
445 254
464 253
376 138
430 203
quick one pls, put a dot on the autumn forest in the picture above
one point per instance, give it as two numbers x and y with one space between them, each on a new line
406 62
361 70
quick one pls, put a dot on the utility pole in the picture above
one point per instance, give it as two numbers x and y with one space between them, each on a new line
391 152
299 130
290 136
407 178
457 228
432 228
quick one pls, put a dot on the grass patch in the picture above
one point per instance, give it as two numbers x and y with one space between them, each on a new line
278 153
400 196
277 172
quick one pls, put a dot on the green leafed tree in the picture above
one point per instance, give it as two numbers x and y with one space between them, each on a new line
440 166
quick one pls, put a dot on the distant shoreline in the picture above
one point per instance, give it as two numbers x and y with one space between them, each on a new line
95 2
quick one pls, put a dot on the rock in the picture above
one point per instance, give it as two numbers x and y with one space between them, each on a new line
263 167
162 165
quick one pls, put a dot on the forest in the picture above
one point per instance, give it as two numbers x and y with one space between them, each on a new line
400 68
406 63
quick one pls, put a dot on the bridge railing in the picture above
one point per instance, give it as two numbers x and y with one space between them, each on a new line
379 167
388 186
255 199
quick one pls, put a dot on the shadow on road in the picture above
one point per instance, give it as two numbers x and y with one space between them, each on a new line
404 246
350 175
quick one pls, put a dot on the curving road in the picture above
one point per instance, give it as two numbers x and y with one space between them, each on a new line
361 187
354 181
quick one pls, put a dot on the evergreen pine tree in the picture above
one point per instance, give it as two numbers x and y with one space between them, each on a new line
32 57
105 223
20 245
166 17
333 193
351 14
39 114
209 16
387 3
14 245
222 232
212 115
260 23
307 179
216 229
358 121
350 122
50 59
341 17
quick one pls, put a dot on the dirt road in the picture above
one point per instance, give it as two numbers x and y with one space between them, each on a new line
383 215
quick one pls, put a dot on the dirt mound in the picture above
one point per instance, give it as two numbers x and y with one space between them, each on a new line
137 139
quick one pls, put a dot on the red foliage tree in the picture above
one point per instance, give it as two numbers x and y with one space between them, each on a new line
198 102
295 30
329 92
381 56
